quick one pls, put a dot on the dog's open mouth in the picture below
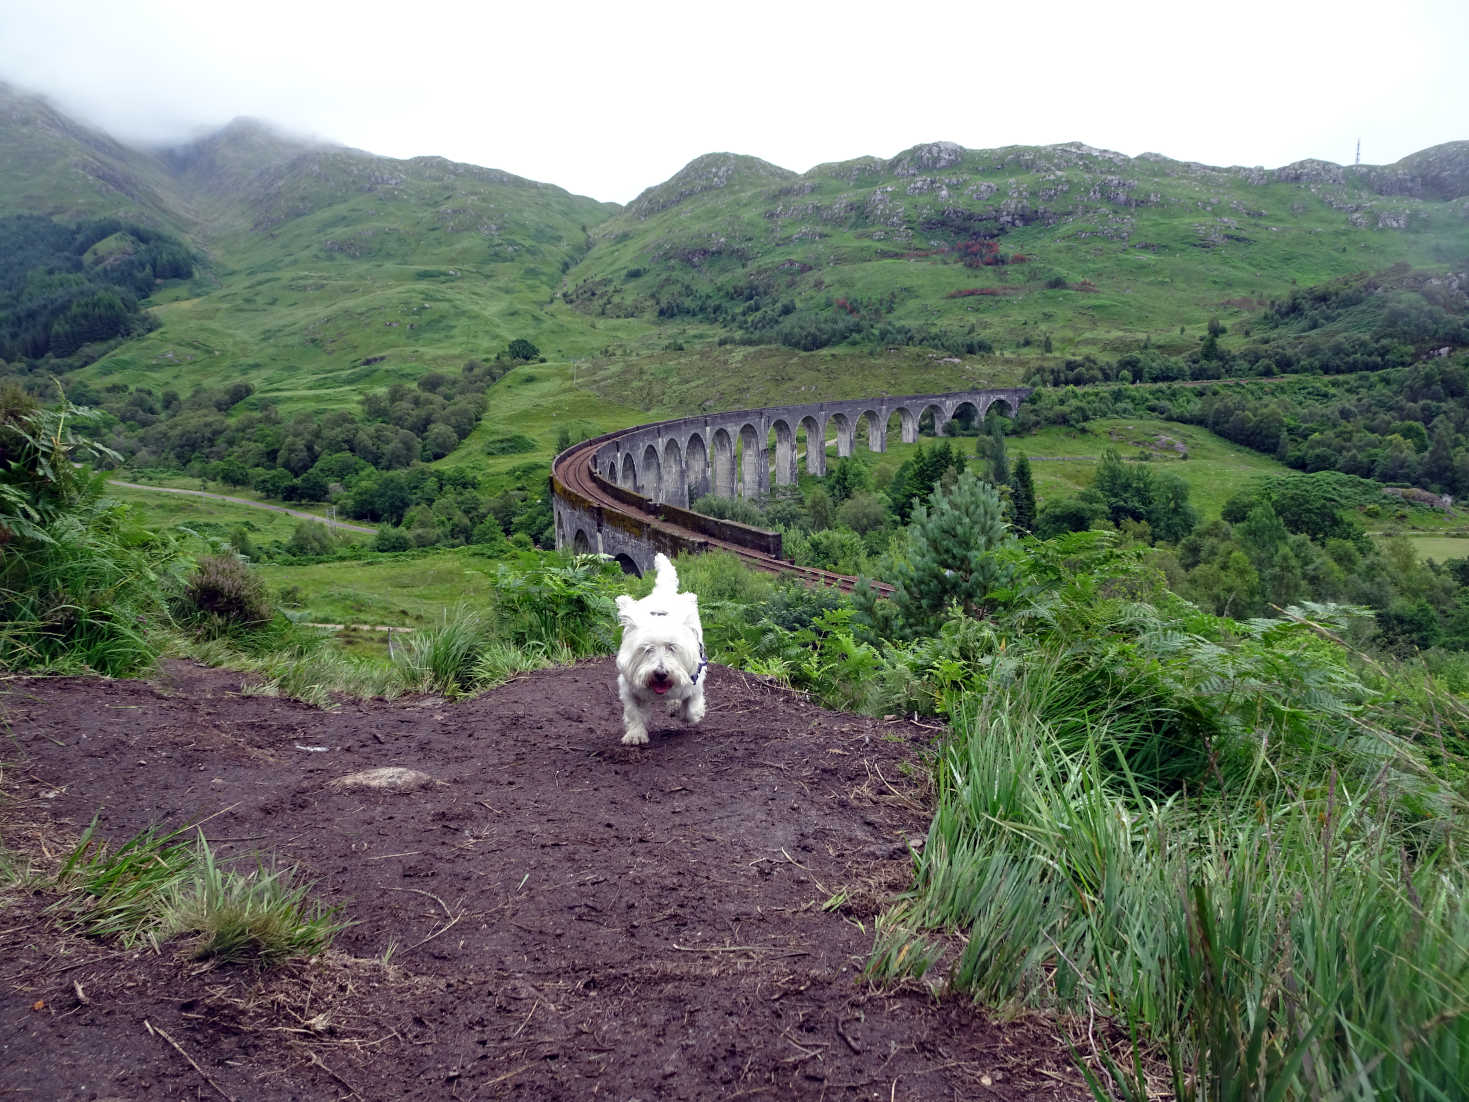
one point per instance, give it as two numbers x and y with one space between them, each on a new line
660 683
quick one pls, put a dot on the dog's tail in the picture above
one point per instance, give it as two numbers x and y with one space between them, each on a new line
667 581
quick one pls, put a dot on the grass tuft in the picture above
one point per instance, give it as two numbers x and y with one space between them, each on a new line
157 887
443 658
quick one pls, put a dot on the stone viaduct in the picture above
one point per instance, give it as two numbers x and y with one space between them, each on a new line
663 466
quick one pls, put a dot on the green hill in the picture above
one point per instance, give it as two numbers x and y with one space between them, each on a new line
1023 249
54 166
326 271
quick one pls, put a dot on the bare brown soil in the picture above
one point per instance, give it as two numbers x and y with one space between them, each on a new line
568 918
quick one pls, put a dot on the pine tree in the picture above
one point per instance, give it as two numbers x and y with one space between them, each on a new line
953 559
1022 499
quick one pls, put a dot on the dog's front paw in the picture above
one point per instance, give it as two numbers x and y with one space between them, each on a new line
635 738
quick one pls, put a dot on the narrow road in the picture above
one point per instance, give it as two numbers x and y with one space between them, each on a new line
342 524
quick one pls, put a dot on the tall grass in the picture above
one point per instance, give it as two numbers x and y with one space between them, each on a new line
443 658
1217 840
82 583
548 610
499 662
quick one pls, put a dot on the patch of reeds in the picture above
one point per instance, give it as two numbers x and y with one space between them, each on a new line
443 658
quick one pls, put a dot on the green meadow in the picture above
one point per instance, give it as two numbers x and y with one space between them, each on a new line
1440 548
404 589
1064 460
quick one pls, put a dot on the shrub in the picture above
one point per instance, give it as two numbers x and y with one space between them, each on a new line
522 349
511 443
223 595
312 538
561 602
738 509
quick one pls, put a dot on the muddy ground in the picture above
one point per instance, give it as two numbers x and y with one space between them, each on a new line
556 916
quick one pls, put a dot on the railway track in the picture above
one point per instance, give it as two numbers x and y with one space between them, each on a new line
575 471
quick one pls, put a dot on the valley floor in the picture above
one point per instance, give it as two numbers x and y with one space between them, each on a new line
567 917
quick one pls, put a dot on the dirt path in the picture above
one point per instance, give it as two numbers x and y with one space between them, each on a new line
556 917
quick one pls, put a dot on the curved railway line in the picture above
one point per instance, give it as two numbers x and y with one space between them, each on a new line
574 472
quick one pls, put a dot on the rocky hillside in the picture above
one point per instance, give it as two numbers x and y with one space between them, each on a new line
55 166
1000 249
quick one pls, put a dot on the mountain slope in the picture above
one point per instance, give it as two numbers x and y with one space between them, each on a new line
1004 248
57 167
329 270
326 271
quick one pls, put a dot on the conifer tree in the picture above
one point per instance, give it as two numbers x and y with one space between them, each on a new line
999 462
953 556
1022 498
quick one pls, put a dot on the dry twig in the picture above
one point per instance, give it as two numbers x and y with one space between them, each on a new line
151 1028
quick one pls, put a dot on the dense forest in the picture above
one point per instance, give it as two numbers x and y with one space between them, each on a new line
65 287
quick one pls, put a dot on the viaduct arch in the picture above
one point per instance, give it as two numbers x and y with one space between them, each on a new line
627 494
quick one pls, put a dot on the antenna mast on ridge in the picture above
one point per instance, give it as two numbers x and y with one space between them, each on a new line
1359 150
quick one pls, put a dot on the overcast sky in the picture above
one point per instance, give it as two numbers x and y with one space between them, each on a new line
605 99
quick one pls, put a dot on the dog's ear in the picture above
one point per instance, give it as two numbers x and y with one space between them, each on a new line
691 613
627 610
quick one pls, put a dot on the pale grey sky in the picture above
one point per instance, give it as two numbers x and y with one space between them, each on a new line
607 99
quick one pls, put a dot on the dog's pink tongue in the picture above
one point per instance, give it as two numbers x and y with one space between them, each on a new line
660 689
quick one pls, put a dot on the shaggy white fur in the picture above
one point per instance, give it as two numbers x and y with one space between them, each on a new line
661 659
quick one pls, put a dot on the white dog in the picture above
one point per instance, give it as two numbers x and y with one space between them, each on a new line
662 655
